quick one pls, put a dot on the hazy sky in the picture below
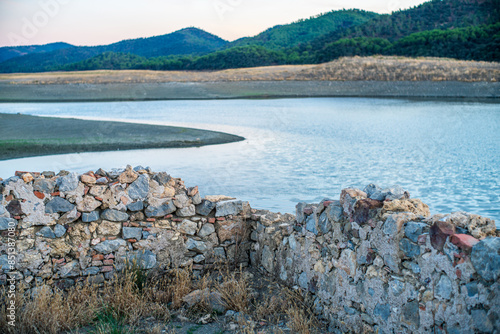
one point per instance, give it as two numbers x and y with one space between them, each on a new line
94 22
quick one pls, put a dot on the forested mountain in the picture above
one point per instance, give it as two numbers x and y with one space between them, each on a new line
190 41
462 29
9 52
303 31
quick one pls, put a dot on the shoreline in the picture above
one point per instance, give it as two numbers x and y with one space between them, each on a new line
108 92
42 136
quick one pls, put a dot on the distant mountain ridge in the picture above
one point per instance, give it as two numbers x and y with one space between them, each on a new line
462 29
9 52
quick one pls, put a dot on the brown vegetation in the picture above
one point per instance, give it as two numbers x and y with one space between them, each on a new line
376 68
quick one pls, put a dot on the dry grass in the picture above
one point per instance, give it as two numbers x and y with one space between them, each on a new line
234 290
376 68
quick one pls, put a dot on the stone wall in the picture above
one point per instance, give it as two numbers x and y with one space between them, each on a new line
374 261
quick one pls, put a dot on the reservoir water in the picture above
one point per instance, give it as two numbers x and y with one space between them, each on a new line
445 152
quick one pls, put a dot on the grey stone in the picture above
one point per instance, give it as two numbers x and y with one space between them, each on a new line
160 211
132 233
219 253
472 289
114 215
227 208
188 227
71 269
59 230
187 211
205 207
68 182
139 189
91 271
303 281
414 229
335 211
383 311
44 186
110 246
396 287
443 288
268 258
135 206
2 208
162 178
392 193
181 200
4 263
485 258
299 212
350 310
196 199
481 321
199 258
46 232
371 189
409 248
197 246
57 205
5 223
292 242
115 172
144 259
324 223
311 224
88 217
411 314
206 230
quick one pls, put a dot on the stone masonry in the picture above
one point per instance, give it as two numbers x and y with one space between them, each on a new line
375 260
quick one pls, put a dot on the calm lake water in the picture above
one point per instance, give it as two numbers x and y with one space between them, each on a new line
446 153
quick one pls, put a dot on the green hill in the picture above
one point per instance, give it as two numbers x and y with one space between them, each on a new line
107 61
9 52
302 31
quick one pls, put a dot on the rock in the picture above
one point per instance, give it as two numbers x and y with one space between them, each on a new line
311 224
411 314
439 232
71 269
348 198
214 299
365 209
44 186
6 223
347 262
14 208
485 258
197 246
109 228
206 230
464 241
409 249
324 224
299 212
303 281
46 232
199 258
135 206
231 230
128 176
414 229
227 208
88 204
57 205
443 288
391 194
481 321
181 200
114 215
59 231
413 205
109 246
394 223
139 189
68 183
205 207
88 179
98 191
187 211
196 199
479 227
267 259
335 212
188 227
218 198
372 189
144 259
132 233
162 178
91 271
160 211
88 217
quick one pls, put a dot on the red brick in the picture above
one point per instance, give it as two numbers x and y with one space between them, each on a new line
57 193
197 267
439 232
17 217
9 198
211 220
463 241
98 257
327 203
132 240
459 273
86 190
108 262
99 198
422 239
168 216
39 194
135 224
151 219
221 218
111 238
109 256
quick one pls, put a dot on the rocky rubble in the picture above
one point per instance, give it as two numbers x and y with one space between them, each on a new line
375 260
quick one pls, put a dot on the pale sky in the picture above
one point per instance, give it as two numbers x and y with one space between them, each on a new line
96 22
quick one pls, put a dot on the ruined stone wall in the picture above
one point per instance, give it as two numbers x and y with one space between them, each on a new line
374 261
377 261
